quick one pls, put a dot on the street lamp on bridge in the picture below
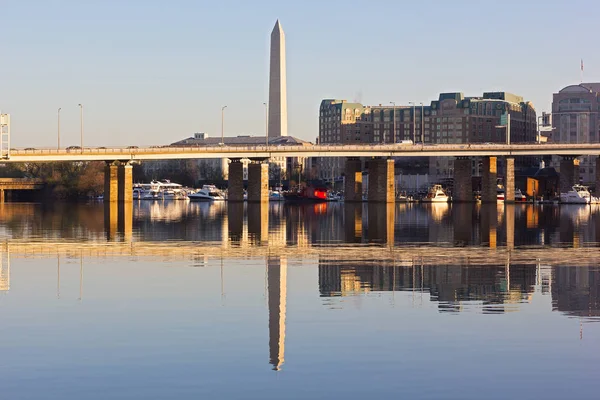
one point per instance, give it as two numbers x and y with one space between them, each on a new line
414 135
393 103
58 133
222 125
266 123
422 123
81 122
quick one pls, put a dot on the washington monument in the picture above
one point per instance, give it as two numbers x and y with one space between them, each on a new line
277 85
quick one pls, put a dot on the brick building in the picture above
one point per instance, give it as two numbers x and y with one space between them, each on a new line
576 119
452 118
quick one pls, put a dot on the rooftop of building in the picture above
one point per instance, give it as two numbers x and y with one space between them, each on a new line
202 139
459 97
590 87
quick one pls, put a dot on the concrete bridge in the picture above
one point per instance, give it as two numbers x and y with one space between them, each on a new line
118 173
268 151
19 184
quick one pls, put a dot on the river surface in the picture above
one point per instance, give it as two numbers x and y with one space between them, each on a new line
194 300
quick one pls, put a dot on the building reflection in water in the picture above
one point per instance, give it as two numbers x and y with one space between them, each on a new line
576 291
491 288
277 295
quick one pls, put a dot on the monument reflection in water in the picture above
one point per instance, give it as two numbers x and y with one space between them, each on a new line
461 260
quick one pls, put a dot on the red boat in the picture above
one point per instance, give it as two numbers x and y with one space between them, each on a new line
308 194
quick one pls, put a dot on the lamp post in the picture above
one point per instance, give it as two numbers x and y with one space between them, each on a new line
266 123
413 121
223 124
422 124
539 139
81 122
58 131
394 117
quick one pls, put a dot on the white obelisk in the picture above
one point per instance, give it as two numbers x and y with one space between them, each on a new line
277 85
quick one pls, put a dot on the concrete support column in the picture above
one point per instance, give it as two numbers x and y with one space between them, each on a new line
125 185
567 173
235 191
463 184
381 181
489 186
509 184
111 182
353 180
258 181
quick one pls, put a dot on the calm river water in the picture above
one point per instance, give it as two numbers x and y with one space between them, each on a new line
186 300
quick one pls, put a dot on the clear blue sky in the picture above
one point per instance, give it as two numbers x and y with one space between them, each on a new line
153 72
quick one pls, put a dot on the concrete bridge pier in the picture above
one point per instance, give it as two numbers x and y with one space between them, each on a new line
111 182
125 183
463 184
118 200
235 191
258 180
509 180
489 186
569 173
353 180
381 181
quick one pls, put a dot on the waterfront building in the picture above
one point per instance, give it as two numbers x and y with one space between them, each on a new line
576 119
451 119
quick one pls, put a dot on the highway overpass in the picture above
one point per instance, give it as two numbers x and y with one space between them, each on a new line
263 152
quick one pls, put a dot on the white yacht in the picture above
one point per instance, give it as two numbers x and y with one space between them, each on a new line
578 194
207 193
159 190
436 195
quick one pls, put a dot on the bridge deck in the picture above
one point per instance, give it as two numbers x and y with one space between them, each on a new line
386 150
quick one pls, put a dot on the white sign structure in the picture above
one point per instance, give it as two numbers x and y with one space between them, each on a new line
4 136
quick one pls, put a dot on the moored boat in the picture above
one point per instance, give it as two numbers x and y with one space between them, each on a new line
207 193
436 194
578 194
308 194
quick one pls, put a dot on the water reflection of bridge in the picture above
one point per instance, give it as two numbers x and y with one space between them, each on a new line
258 224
